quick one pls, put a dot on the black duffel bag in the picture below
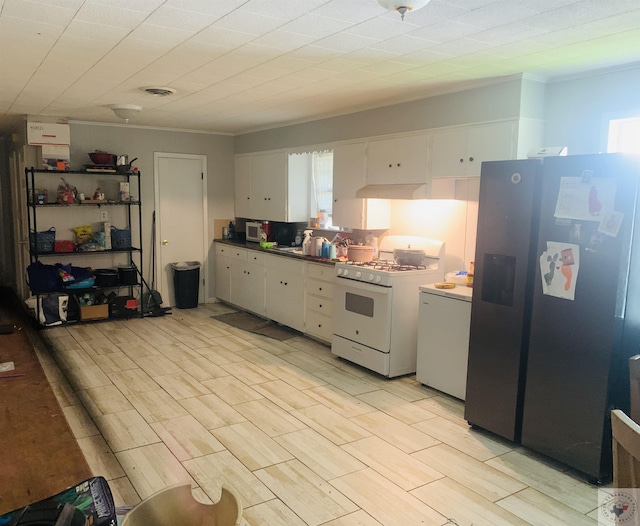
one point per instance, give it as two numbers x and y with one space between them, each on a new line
44 278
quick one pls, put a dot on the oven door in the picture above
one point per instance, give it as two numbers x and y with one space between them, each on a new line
362 313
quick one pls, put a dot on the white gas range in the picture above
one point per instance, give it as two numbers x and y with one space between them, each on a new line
376 306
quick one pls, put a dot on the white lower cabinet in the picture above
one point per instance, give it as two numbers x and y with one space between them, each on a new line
285 291
248 283
223 272
240 277
291 291
319 301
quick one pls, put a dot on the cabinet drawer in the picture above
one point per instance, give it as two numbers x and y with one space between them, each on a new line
319 288
319 325
320 305
255 257
285 264
231 252
323 272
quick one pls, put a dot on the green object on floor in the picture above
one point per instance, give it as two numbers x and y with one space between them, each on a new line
257 325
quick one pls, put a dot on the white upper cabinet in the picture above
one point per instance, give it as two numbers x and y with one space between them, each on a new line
401 160
348 178
459 152
269 186
265 189
242 183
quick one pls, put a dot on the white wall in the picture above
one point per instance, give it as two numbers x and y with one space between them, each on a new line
499 100
577 110
452 221
142 143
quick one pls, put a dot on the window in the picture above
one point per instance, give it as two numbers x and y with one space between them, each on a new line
322 186
624 135
316 167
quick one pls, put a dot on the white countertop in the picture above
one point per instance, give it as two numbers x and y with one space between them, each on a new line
459 292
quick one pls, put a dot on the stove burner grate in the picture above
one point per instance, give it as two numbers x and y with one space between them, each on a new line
387 266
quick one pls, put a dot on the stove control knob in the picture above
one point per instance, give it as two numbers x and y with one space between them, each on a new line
339 271
378 279
371 277
358 274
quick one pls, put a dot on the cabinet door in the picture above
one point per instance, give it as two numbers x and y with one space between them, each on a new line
223 277
242 183
269 186
285 291
381 161
348 177
448 153
412 156
490 142
247 286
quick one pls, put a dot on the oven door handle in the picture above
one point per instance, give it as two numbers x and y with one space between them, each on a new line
362 285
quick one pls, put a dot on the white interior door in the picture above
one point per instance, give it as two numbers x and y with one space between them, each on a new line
181 210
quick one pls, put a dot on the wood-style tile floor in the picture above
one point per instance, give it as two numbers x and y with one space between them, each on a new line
305 438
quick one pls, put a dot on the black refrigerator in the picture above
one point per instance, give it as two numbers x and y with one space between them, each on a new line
556 304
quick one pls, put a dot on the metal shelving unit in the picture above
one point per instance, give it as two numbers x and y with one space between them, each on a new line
127 256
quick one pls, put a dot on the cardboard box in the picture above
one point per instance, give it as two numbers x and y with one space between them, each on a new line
106 228
94 312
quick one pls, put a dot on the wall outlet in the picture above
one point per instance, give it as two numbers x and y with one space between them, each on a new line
104 215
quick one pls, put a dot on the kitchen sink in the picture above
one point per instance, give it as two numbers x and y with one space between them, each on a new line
290 250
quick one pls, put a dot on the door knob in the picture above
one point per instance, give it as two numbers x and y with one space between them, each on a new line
165 242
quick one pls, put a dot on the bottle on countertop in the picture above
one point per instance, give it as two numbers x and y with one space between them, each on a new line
316 244
325 249
470 274
306 243
232 231
298 239
372 241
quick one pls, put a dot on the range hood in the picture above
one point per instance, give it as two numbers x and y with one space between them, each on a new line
394 191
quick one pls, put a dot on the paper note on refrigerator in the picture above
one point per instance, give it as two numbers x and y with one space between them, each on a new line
585 198
559 266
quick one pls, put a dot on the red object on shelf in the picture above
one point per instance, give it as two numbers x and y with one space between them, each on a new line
64 246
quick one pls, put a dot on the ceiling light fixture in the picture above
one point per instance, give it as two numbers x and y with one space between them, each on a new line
126 111
402 6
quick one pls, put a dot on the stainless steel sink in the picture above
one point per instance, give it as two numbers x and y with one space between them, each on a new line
290 250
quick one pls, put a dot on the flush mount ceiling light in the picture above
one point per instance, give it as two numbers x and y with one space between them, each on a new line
126 111
402 6
158 91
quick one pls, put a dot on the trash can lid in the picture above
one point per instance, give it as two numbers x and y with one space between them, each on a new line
185 265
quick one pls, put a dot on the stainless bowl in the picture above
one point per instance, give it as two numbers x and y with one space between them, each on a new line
405 256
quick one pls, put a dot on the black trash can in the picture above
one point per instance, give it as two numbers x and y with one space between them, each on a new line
186 282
